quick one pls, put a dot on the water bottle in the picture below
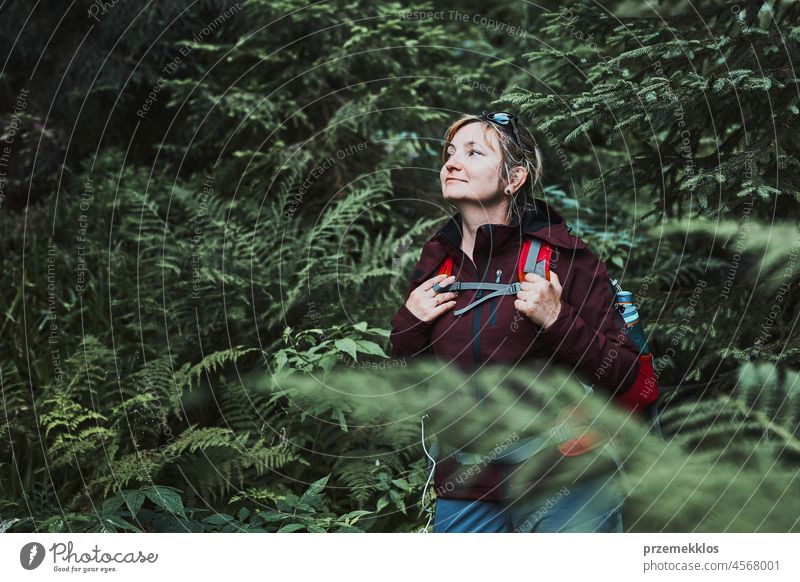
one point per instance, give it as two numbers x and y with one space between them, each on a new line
633 325
634 329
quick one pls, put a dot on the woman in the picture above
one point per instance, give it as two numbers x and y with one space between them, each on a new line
491 164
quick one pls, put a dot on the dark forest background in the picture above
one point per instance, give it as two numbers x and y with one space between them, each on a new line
209 210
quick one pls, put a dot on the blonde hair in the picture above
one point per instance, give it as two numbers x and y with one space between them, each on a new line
528 156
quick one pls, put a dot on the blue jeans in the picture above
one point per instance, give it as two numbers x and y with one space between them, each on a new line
591 505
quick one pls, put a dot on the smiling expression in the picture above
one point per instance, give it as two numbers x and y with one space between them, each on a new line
472 169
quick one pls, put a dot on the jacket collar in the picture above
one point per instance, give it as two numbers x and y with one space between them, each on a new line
537 219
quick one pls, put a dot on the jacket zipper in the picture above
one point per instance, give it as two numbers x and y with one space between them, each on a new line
493 302
477 317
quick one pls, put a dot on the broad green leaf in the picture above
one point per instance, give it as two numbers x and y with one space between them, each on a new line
369 347
122 523
218 519
347 346
270 516
166 498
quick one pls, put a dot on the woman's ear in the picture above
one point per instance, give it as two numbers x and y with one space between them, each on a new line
518 176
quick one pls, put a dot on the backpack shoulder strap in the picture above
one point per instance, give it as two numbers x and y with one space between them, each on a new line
534 257
446 268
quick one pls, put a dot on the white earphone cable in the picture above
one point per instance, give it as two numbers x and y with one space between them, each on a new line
430 476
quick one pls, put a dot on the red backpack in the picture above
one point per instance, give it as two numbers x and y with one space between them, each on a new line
534 257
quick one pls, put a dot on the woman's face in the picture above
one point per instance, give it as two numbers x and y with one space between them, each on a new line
472 170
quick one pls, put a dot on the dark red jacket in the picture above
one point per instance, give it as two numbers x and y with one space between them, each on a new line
585 336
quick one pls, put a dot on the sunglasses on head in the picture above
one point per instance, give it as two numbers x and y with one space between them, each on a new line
504 120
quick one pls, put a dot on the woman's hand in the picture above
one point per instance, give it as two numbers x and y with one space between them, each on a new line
426 304
539 299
